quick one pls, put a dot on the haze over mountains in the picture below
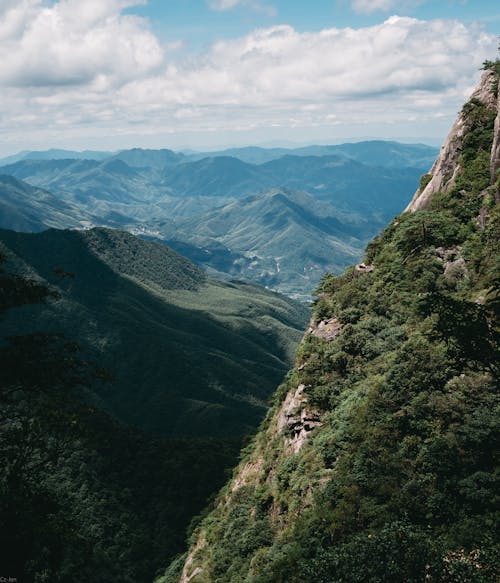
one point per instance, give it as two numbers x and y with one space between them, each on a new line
170 196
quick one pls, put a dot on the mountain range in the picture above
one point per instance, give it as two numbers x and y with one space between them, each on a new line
158 192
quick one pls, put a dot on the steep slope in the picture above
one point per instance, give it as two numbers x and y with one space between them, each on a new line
378 461
26 208
282 239
82 496
188 355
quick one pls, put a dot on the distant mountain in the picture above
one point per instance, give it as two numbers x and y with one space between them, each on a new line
157 159
222 176
163 194
55 154
27 208
373 152
189 355
282 239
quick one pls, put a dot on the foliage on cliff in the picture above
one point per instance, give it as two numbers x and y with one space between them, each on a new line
397 481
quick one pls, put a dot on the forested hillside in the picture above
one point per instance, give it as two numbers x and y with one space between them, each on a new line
128 380
378 461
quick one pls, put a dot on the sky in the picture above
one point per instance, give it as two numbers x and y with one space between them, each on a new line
206 74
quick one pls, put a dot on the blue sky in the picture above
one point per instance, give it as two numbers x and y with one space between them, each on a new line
198 25
203 74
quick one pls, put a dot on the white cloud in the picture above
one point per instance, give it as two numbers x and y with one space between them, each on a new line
224 4
370 6
74 42
256 5
82 67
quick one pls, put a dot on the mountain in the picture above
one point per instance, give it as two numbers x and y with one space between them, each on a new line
27 208
147 314
378 461
372 152
165 195
54 154
143 158
282 239
218 176
128 382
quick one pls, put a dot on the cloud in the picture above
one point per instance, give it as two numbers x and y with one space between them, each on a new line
83 67
224 4
370 6
74 42
255 5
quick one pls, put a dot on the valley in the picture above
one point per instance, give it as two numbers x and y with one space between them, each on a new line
329 200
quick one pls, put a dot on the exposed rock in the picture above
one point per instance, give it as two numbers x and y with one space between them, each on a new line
297 418
495 149
482 218
188 575
446 167
453 265
326 329
455 269
446 254
363 268
247 474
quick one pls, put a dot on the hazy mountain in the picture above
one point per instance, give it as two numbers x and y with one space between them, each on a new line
373 153
54 154
282 239
162 194
378 461
144 158
222 176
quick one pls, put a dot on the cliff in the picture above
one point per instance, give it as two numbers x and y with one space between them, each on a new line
444 171
377 461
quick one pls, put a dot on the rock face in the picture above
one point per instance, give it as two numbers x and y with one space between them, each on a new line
495 150
326 329
446 166
297 418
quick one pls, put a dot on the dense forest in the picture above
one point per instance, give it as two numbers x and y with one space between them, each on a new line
378 461
86 492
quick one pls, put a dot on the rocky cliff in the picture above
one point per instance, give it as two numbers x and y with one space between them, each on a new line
377 462
443 173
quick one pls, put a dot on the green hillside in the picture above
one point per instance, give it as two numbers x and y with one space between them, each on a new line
379 460
147 314
128 380
27 208
282 239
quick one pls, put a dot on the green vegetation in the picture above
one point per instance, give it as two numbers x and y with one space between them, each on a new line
86 319
281 239
196 203
400 481
146 314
